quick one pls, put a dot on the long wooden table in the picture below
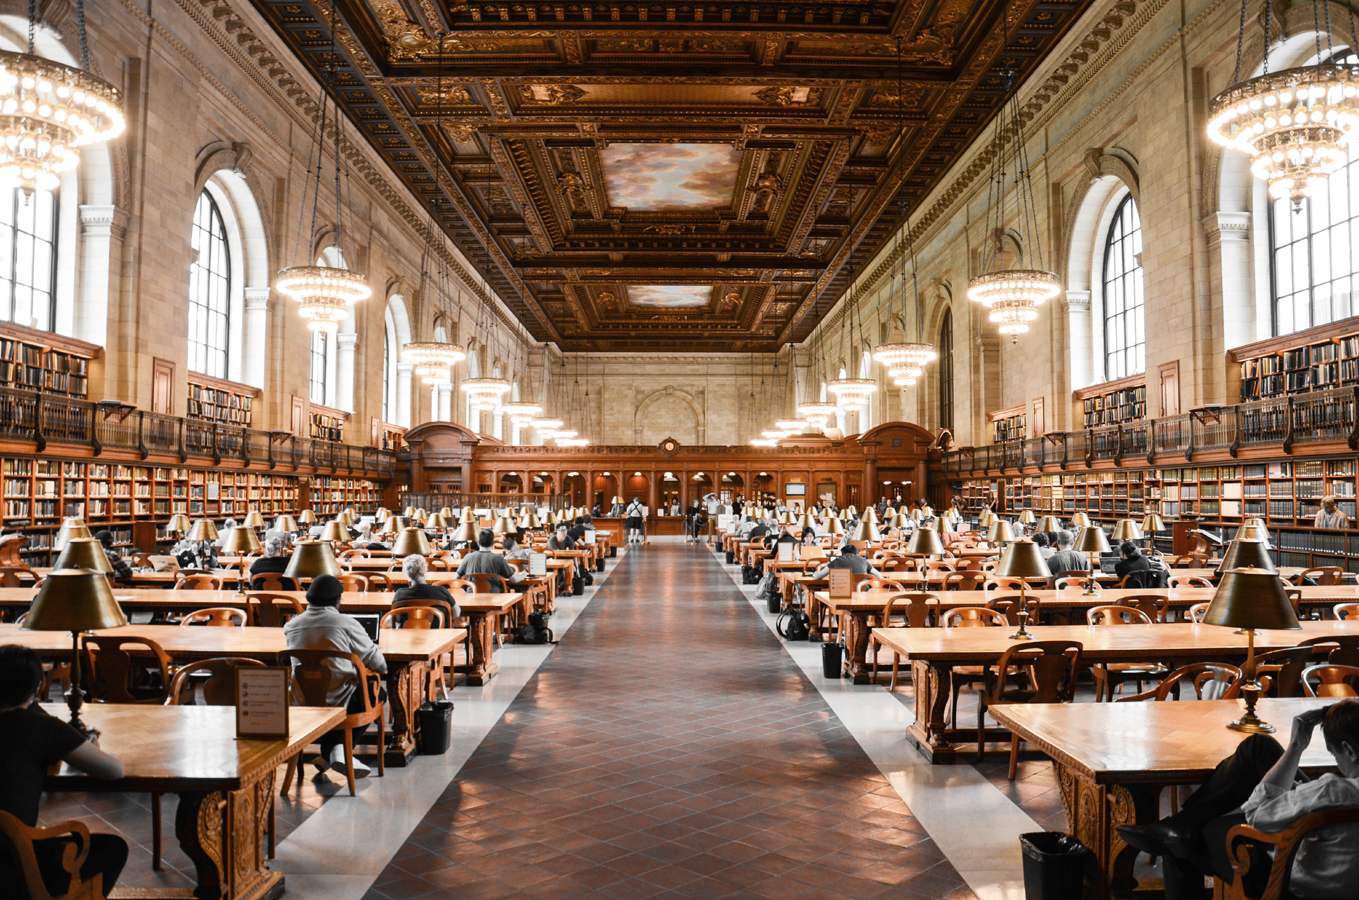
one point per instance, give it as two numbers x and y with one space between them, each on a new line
225 785
1113 759
409 655
934 652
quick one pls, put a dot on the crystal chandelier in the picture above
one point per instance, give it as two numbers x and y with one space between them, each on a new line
1295 124
547 425
774 434
564 434
816 414
791 426
324 293
484 393
573 442
521 412
1012 295
853 392
763 442
433 360
48 110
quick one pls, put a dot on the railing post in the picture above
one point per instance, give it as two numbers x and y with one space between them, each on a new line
1353 439
38 438
1288 428
1089 449
216 453
1118 452
1237 432
1151 440
1189 448
183 453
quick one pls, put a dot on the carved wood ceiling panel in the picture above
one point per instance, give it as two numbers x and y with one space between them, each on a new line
670 176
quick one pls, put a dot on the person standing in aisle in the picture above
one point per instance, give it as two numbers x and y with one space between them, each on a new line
636 513
714 505
1330 516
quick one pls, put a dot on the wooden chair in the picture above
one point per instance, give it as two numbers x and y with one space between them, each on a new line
1202 676
359 553
482 581
1003 584
909 610
141 560
1340 649
1109 676
354 583
878 584
967 676
1197 612
379 582
271 610
200 582
220 616
451 620
424 618
1280 671
1189 581
1052 668
1069 582
1345 611
313 679
1332 681
1328 575
21 838
443 564
1154 605
1008 606
966 580
118 676
273 581
17 576
1191 561
1286 844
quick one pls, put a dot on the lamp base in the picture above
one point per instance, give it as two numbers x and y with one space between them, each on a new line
1022 635
1091 589
1250 723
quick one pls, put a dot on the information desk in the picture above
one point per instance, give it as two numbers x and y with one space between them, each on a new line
1113 759
409 655
225 786
934 652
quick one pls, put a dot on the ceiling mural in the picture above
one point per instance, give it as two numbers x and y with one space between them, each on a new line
658 177
670 176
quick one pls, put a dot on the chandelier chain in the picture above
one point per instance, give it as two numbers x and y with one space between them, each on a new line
1240 44
84 39
32 23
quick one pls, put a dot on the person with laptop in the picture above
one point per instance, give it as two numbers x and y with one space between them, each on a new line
1132 560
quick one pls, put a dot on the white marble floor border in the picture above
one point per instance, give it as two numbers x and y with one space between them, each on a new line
974 824
340 850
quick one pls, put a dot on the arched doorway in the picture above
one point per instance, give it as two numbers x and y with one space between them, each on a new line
635 486
733 486
700 484
670 494
764 490
604 490
510 483
543 483
573 486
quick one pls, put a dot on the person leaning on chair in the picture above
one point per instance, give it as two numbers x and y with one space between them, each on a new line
323 627
33 742
1258 785
485 561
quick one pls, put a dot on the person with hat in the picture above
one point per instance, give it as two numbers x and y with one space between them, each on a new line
323 627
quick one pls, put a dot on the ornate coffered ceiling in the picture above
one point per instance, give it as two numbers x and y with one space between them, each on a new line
671 176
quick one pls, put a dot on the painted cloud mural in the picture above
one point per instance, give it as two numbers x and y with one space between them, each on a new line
670 176
670 296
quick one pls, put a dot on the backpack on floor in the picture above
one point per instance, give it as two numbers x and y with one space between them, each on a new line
731 557
750 575
536 631
794 625
769 585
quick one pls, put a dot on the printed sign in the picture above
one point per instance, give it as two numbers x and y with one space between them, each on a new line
786 551
537 563
841 583
262 702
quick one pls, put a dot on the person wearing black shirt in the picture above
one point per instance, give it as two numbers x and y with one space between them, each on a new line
577 532
1132 561
275 559
562 540
417 570
121 570
33 742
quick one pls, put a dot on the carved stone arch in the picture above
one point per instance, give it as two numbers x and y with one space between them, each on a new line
1102 169
695 405
323 239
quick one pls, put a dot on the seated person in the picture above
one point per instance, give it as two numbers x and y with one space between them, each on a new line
1040 539
561 540
577 531
195 554
485 561
849 558
366 538
1132 561
1330 516
275 559
1259 785
809 538
222 535
759 529
512 548
323 627
1066 560
417 571
121 570
588 522
33 742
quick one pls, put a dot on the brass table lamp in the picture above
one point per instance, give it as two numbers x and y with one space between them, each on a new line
286 524
75 600
311 559
1000 532
1026 517
925 542
242 540
1049 524
870 516
1247 554
437 521
1126 530
899 521
203 530
1023 561
412 542
1080 520
84 553
1091 540
468 515
530 522
335 531
70 528
504 525
465 533
179 524
833 525
307 517
1253 532
865 531
1251 598
253 519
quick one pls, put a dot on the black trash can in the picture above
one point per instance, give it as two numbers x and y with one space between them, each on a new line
1054 865
599 565
831 655
613 551
731 557
775 602
436 726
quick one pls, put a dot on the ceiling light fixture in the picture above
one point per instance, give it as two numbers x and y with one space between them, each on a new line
816 414
1296 125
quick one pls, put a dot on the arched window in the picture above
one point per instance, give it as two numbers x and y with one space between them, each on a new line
1314 265
1125 333
946 371
28 258
325 374
320 360
388 383
209 291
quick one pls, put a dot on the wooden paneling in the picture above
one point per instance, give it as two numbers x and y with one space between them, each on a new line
162 386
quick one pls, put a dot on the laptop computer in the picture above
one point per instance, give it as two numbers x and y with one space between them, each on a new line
369 621
1107 561
164 563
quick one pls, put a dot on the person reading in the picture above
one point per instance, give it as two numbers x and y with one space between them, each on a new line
485 561
1260 785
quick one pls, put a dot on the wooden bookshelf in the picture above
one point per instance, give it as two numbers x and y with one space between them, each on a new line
1113 402
327 424
1008 424
1316 359
330 494
218 400
36 360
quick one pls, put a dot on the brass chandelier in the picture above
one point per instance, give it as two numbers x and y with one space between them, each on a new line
1297 124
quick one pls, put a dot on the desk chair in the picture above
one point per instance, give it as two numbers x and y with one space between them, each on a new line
1328 575
910 610
199 582
1346 611
217 616
21 838
273 581
1052 668
1286 844
423 618
1341 649
1109 676
1154 605
1331 681
1189 581
271 610
961 676
314 679
354 583
1280 671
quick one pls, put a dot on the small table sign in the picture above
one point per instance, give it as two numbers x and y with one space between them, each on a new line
262 702
537 564
841 583
786 551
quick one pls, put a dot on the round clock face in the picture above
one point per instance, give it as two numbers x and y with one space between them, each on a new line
670 446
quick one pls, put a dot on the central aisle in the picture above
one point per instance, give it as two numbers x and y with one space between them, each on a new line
669 747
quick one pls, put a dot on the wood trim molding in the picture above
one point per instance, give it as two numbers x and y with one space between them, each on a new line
1108 387
1021 409
222 384
331 411
50 340
1332 332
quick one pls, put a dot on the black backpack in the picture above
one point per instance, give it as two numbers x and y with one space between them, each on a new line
1148 579
536 631
794 625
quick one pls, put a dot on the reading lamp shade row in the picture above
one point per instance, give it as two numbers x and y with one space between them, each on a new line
1251 598
74 600
1248 554
412 542
1049 524
242 539
312 559
334 531
203 530
1022 559
71 528
83 553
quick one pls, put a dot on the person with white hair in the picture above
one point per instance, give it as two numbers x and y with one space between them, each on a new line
417 570
366 539
275 559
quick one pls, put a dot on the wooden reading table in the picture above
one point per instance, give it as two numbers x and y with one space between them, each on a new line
225 785
1113 759
933 652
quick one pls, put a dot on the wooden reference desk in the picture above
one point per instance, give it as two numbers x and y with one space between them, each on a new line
225 785
409 655
933 652
1113 759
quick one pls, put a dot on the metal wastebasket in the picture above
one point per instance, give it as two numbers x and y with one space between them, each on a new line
436 726
1054 865
831 657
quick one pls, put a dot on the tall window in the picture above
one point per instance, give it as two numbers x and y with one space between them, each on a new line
28 258
946 371
386 382
318 367
1314 263
209 290
1125 333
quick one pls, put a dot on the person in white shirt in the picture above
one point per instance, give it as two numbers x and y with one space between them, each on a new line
636 519
714 507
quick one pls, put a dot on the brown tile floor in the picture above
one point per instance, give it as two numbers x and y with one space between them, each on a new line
669 748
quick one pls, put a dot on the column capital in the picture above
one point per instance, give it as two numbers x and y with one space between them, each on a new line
445 388
102 220
1227 227
405 368
1078 301
257 298
347 341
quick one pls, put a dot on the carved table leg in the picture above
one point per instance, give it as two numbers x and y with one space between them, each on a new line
812 607
481 632
201 829
931 682
406 683
856 648
1093 811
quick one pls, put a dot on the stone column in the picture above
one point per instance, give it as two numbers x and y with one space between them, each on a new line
404 416
344 370
254 335
445 411
1229 288
96 231
1082 364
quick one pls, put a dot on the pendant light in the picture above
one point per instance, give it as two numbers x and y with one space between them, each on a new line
485 392
1012 295
49 110
323 293
852 392
1296 125
521 412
